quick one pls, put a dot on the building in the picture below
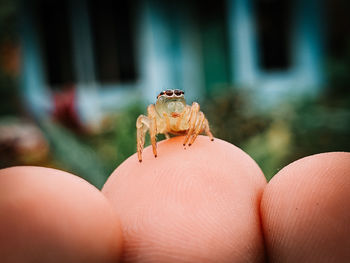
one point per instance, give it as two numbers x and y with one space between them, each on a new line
116 52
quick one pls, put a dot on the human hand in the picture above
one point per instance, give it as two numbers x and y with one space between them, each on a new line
208 203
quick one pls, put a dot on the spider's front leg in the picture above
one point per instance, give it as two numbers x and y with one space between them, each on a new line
198 127
142 126
197 124
152 127
167 136
192 121
206 129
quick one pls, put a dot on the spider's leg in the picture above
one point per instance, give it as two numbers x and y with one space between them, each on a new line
167 136
192 121
152 127
142 125
198 129
207 129
167 121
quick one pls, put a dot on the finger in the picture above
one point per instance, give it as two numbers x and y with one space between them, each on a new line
195 205
48 215
306 210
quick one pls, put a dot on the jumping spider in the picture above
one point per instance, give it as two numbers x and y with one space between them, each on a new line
170 114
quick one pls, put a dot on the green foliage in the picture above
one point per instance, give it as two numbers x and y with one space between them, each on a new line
8 16
292 130
289 131
117 141
318 126
8 35
273 139
232 119
8 94
73 154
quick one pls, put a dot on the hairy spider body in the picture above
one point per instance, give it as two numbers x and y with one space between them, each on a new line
170 114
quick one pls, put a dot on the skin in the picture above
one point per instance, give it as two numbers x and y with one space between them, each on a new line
47 215
306 209
208 203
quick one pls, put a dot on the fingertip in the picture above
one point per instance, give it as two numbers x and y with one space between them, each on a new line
200 205
47 215
305 213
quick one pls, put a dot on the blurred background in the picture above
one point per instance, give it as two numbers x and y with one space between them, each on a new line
272 77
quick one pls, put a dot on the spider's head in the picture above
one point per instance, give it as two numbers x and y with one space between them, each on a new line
171 102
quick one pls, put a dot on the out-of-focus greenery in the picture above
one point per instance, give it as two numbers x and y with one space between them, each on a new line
8 35
8 12
231 117
273 139
117 140
289 131
93 155
296 130
8 96
71 153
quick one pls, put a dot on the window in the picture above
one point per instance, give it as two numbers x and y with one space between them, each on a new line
53 22
112 33
338 28
274 31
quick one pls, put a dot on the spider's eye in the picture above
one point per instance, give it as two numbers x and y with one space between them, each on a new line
182 92
169 92
160 94
177 92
